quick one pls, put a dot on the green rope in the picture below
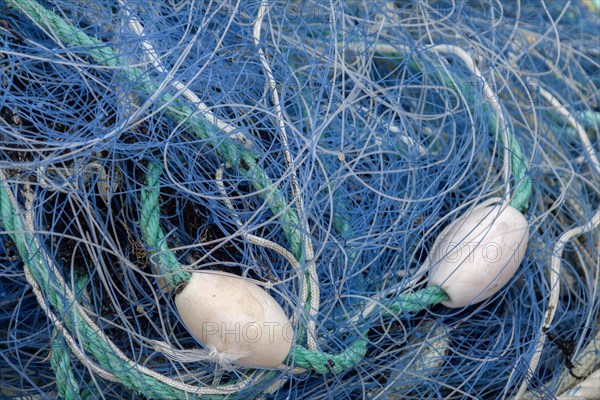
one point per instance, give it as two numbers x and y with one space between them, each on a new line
67 385
60 362
66 32
87 394
324 363
522 191
521 179
417 301
590 119
310 359
153 235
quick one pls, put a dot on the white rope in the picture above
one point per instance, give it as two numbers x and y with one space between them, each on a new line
307 245
257 240
492 99
584 365
589 389
555 265
152 56
562 110
555 270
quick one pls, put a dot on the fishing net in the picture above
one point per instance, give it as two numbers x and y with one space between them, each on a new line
317 148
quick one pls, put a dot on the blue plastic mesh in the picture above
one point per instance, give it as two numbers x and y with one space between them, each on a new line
385 152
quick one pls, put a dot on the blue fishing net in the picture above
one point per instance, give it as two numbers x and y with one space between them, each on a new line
390 138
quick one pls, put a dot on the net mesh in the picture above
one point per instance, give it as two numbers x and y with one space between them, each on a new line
390 141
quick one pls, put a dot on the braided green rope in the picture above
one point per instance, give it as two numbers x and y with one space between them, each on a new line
60 362
153 235
67 385
324 363
417 301
522 191
86 394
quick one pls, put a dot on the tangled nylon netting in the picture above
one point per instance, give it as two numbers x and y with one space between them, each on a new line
316 147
